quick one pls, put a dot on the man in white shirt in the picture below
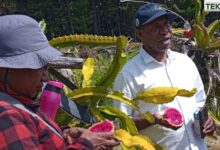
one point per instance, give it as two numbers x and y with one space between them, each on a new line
157 66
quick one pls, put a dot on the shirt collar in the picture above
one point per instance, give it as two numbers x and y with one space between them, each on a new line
147 58
24 100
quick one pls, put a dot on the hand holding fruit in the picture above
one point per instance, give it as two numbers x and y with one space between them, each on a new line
100 140
170 119
71 135
104 131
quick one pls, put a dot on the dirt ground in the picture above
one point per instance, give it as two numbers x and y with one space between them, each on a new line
213 144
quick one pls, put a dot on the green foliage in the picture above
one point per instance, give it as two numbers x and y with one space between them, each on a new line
92 40
117 63
198 10
99 92
127 13
213 27
185 8
207 43
124 120
109 17
43 25
99 17
80 14
62 119
54 12
102 62
7 6
204 36
213 101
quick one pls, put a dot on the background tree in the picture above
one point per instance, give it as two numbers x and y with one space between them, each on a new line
80 15
7 6
185 8
98 17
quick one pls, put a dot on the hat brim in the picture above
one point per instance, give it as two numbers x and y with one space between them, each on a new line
33 60
170 16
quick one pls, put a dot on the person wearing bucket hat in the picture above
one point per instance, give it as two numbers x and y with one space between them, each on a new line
157 65
24 55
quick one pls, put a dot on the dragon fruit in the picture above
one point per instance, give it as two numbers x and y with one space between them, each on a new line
173 117
103 126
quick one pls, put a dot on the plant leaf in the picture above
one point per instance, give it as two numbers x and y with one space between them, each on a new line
201 35
125 121
160 95
186 93
100 92
117 63
205 34
43 25
149 117
215 41
203 15
214 117
96 113
83 39
66 90
214 26
136 140
87 72
213 47
198 35
197 8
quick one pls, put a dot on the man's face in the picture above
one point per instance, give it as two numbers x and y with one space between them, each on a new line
27 82
156 35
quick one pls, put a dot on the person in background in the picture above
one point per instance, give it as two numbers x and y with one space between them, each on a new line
24 55
157 65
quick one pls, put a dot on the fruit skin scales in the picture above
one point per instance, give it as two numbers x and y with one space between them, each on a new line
103 126
173 117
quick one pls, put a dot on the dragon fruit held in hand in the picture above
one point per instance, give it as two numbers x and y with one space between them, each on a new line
103 126
173 117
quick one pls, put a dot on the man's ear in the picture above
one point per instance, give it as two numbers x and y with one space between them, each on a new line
138 33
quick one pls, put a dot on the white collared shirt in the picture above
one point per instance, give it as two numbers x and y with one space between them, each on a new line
144 72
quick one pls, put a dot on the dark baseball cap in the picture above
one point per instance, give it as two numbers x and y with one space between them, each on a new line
23 44
149 12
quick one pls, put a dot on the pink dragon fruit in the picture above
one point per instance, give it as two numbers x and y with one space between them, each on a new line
103 126
173 117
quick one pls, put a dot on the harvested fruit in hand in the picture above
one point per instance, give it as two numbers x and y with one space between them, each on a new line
103 126
173 117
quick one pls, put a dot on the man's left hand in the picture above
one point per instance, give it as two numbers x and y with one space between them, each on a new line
209 126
